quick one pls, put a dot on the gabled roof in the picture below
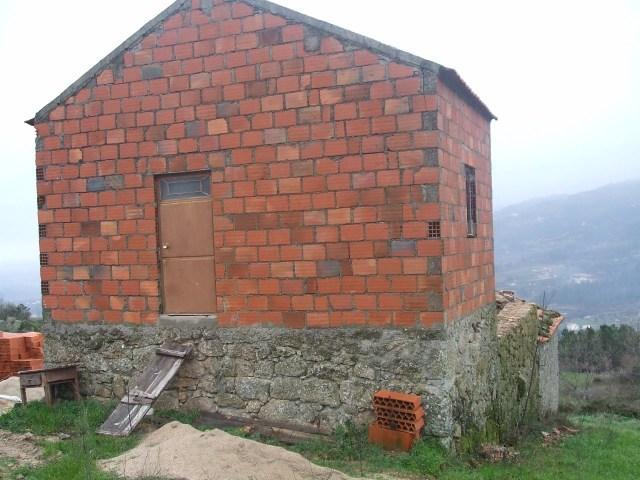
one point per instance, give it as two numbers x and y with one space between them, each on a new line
447 75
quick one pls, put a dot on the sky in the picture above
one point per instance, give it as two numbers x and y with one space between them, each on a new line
561 76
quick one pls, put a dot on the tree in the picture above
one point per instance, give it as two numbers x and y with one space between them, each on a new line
611 347
9 309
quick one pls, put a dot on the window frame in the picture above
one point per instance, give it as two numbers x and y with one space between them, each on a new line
165 182
471 201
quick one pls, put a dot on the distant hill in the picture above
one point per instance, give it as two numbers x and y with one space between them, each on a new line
583 250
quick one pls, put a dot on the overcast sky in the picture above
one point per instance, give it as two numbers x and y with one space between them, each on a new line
563 78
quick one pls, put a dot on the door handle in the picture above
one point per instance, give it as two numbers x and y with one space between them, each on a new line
165 246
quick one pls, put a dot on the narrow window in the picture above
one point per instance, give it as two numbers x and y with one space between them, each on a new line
470 188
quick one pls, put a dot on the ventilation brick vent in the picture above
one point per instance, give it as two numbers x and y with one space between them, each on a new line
44 259
40 202
42 230
39 173
433 229
44 288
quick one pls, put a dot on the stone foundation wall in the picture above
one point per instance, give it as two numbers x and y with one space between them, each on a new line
315 378
466 373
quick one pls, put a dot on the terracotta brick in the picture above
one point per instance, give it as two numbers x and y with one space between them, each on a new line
216 127
364 267
327 164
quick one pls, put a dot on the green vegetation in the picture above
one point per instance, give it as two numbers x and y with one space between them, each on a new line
600 370
606 446
348 450
75 457
9 309
608 348
613 392
17 318
68 417
189 417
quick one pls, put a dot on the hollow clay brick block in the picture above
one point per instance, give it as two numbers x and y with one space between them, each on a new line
391 439
396 400
394 414
397 412
412 427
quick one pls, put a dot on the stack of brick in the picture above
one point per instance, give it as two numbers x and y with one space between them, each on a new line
20 351
399 420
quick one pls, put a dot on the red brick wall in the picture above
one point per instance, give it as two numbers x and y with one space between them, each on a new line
319 155
467 264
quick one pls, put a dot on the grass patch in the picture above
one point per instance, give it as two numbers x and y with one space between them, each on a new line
74 458
606 447
190 417
609 392
68 417
349 451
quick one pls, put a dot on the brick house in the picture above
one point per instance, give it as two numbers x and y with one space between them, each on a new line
307 206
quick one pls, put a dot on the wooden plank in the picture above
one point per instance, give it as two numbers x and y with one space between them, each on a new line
170 353
52 369
55 375
124 419
145 390
130 400
284 432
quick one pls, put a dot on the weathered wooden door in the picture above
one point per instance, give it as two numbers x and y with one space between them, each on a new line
186 244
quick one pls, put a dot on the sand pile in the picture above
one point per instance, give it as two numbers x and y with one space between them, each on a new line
179 451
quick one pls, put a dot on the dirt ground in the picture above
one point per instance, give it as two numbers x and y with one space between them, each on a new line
179 451
19 449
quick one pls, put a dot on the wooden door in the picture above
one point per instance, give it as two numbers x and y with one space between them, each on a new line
186 244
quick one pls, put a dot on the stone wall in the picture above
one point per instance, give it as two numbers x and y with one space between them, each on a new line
518 370
305 377
474 375
473 364
549 376
308 378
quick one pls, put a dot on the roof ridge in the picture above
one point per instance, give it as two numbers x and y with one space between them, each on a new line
106 61
447 75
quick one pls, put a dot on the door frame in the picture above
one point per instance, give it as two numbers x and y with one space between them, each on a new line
157 194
